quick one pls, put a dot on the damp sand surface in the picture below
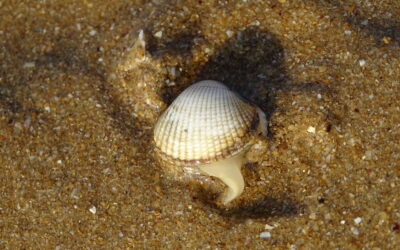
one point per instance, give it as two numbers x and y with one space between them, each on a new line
78 101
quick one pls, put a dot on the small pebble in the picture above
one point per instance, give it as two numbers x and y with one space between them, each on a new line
261 76
362 62
29 65
93 210
357 220
93 32
265 235
229 33
311 130
268 227
248 221
355 231
27 122
386 39
158 34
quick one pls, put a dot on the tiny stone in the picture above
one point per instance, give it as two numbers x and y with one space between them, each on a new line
29 65
342 222
27 122
365 22
59 161
368 155
347 32
311 130
172 71
18 126
261 76
357 220
248 221
355 231
386 39
93 32
229 33
171 83
362 62
319 96
158 34
327 216
265 235
268 227
93 210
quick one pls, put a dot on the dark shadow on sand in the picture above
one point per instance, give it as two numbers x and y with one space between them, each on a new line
378 28
259 209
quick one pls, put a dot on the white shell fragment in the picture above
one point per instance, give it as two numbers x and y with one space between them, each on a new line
210 127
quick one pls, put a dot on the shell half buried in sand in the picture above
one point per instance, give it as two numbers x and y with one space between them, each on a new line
209 127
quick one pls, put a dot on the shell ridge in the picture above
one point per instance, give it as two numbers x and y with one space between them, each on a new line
219 124
193 130
171 135
187 111
227 117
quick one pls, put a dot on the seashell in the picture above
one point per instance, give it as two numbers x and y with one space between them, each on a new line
208 129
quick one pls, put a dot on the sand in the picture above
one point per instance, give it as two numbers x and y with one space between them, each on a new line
79 99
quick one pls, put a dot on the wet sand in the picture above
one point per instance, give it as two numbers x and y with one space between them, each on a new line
77 107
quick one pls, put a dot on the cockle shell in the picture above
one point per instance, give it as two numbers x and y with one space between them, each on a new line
207 123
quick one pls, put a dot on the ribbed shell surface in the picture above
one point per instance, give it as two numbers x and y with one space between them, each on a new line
206 122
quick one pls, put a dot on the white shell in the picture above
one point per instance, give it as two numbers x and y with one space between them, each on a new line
205 123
